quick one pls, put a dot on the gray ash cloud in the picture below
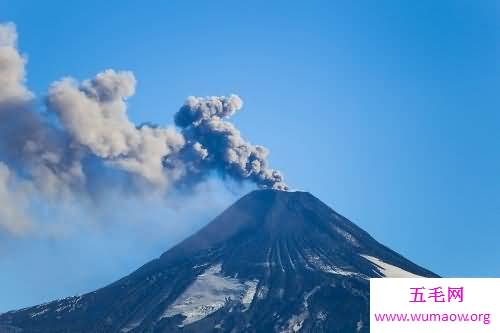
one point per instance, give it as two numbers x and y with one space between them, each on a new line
47 154
213 143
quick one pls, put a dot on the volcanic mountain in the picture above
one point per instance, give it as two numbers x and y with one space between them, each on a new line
274 261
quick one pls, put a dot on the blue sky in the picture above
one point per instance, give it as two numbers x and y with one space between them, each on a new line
386 110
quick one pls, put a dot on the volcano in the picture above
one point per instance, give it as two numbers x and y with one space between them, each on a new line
274 261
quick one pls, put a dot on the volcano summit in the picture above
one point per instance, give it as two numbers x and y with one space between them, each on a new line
274 261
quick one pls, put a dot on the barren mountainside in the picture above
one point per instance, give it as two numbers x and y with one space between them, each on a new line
274 261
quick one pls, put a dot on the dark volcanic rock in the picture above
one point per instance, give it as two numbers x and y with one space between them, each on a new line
273 262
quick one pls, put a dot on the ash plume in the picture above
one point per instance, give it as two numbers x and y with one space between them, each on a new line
29 144
94 115
84 134
13 196
214 143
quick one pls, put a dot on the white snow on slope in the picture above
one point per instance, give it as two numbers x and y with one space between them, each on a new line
208 293
389 270
61 306
350 238
359 326
36 314
249 293
316 261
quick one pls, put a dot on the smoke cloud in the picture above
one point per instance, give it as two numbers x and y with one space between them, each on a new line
83 140
14 203
213 143
94 115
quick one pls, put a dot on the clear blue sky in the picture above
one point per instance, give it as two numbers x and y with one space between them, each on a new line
388 111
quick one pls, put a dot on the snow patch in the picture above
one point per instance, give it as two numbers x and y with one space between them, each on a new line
319 264
208 293
250 293
131 326
199 266
389 270
359 326
348 237
36 314
262 293
68 304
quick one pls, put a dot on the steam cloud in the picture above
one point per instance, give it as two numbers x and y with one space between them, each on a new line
85 135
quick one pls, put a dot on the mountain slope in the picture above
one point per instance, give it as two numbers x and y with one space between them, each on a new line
274 261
